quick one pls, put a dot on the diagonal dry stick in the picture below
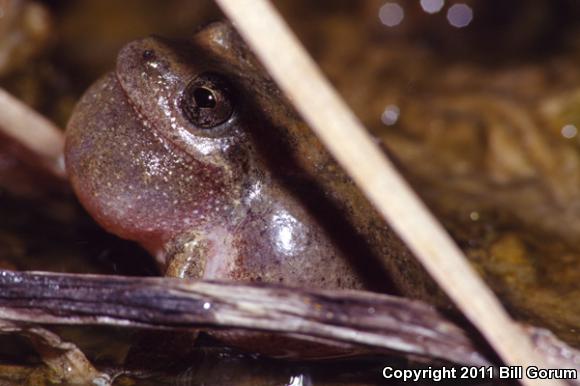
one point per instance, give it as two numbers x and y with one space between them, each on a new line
345 137
32 131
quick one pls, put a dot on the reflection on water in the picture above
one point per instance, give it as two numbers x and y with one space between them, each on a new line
213 366
432 6
391 14
460 15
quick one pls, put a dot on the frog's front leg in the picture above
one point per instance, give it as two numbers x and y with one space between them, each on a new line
200 255
215 254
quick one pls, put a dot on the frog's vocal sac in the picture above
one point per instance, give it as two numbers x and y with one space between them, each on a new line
190 149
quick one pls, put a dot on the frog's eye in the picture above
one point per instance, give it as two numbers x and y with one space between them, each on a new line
207 101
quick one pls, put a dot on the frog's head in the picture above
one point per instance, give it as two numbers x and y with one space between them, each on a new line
163 144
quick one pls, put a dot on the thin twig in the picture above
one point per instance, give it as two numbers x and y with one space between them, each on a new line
33 132
364 320
345 137
65 359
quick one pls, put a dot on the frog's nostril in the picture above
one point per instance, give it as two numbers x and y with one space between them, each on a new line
148 55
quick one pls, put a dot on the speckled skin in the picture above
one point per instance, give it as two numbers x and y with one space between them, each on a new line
255 199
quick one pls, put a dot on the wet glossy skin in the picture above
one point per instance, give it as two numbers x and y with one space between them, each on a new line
252 198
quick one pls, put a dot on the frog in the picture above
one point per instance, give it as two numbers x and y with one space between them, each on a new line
190 149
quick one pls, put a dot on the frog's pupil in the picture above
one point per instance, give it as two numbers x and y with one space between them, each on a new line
204 98
206 102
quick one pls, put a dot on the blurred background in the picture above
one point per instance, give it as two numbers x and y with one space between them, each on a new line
477 101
